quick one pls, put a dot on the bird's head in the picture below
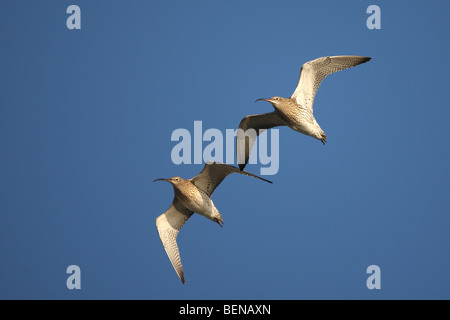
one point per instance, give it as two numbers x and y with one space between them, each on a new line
174 180
274 101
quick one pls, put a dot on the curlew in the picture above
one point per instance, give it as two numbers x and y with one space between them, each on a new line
193 195
295 112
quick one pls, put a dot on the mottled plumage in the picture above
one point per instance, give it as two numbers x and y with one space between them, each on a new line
295 112
191 196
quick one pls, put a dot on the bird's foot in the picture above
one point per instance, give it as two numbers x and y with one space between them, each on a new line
219 221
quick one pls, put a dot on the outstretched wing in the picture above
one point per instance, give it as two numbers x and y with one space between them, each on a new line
245 137
213 174
314 71
168 225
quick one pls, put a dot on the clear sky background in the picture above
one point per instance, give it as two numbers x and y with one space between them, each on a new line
86 118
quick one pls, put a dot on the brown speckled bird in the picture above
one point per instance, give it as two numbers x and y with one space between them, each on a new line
295 112
193 195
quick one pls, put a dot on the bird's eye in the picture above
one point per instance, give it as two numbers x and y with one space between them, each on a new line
276 98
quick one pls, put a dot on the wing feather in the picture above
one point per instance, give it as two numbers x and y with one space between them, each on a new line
168 225
313 73
245 138
213 174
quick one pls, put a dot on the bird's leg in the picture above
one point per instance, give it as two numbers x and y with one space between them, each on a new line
220 222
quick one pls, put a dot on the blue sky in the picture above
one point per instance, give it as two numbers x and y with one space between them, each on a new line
86 118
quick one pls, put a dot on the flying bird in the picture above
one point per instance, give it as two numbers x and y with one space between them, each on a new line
193 195
295 112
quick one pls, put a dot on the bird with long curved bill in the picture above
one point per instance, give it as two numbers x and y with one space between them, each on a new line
193 195
295 112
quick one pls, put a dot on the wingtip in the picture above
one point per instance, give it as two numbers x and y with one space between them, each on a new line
255 176
266 180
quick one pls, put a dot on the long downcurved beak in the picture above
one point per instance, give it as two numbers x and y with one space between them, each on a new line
268 100
168 180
